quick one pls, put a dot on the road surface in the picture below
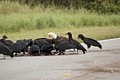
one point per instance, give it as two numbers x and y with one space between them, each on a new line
96 64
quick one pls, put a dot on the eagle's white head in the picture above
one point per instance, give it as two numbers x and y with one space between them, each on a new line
53 35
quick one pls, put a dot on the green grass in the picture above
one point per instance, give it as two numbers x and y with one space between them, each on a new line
17 22
22 22
98 33
15 18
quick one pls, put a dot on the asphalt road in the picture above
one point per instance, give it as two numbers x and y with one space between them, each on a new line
96 64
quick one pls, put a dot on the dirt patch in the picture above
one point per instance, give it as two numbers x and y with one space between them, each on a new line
91 72
100 69
115 65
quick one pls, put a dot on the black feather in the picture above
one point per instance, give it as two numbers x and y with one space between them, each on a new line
76 43
5 50
90 41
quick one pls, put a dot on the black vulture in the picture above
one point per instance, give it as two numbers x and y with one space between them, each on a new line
46 49
30 41
42 41
8 42
62 46
18 47
90 41
76 43
26 44
5 50
3 39
34 50
45 45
